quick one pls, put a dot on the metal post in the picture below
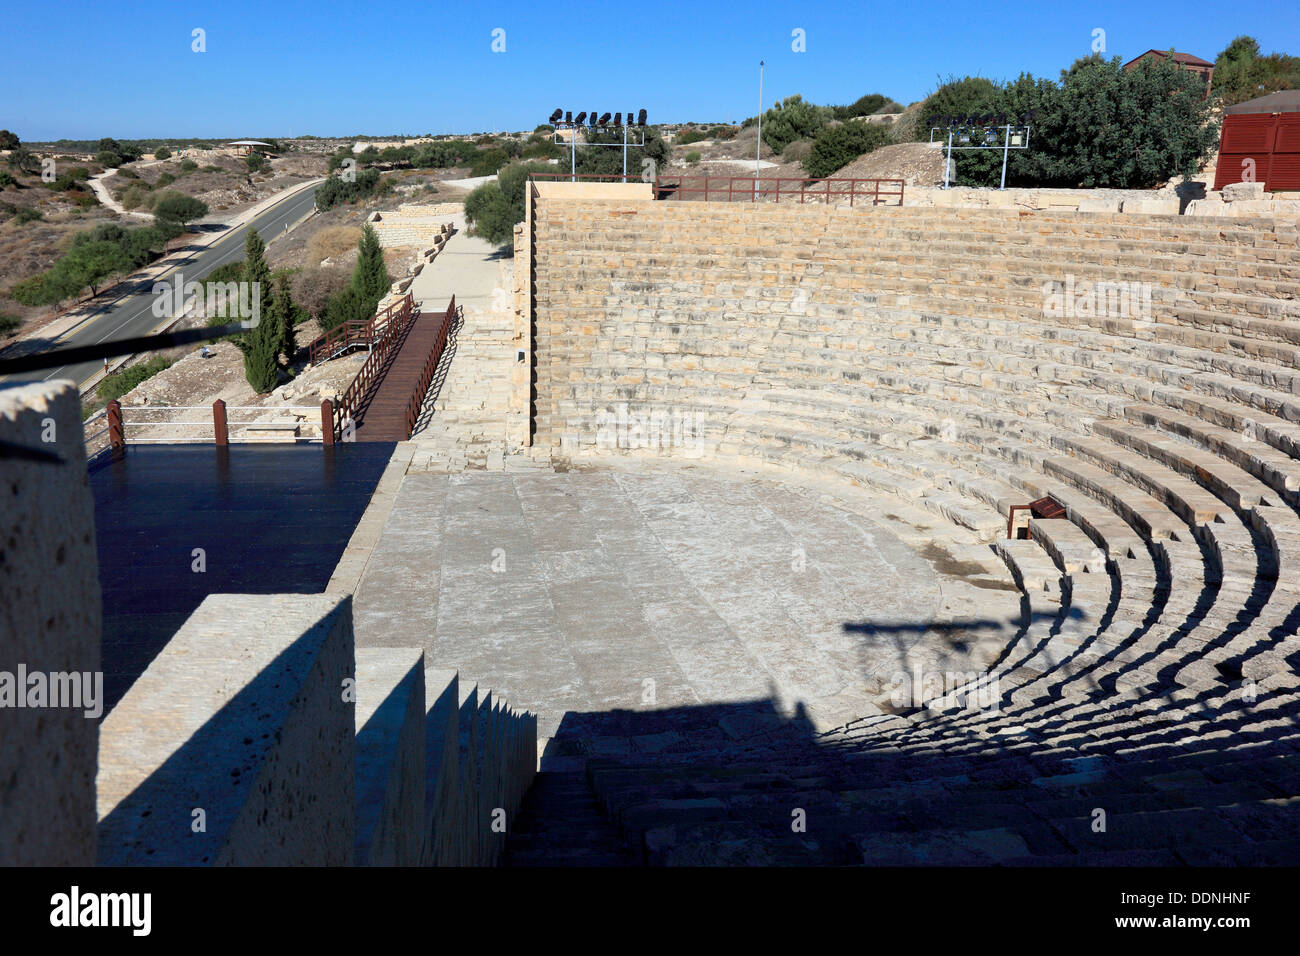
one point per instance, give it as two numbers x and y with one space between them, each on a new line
220 431
116 433
327 422
758 147
1006 146
624 154
573 154
947 164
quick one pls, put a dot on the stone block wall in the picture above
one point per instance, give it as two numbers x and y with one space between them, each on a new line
50 627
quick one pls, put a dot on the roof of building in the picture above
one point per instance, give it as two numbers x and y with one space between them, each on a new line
247 142
1283 101
1186 59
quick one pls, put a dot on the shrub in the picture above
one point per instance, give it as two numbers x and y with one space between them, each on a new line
9 323
180 208
313 288
162 152
792 119
335 190
344 307
488 162
330 242
28 215
693 157
493 209
113 387
7 179
8 140
691 136
188 165
109 158
254 162
797 151
166 179
837 146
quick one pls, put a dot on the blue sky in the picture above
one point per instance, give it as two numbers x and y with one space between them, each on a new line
84 70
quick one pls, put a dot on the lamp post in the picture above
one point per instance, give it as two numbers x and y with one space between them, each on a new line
758 147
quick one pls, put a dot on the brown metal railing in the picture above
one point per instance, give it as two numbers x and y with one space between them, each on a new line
356 332
877 192
774 189
430 366
391 336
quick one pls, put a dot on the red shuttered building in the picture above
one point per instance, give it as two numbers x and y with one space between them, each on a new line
1261 142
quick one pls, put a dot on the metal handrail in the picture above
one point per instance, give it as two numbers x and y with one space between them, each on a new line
355 332
396 327
753 188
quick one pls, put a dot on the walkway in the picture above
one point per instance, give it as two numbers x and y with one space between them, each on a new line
382 416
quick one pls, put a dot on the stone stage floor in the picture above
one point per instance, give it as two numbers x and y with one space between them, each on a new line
639 589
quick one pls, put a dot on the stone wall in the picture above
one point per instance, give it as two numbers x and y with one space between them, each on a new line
50 624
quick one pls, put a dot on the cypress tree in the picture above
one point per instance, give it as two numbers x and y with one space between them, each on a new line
370 277
261 344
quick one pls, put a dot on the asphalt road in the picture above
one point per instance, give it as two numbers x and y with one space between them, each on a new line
132 313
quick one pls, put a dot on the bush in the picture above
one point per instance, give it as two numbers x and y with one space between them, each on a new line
188 166
346 306
9 323
109 158
837 146
28 215
313 288
797 151
792 119
254 162
162 152
693 157
7 179
113 387
330 242
179 208
335 190
488 162
691 136
493 209
166 179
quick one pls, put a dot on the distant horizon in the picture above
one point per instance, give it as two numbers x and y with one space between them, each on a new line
504 68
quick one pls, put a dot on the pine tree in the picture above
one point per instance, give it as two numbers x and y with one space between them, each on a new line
370 277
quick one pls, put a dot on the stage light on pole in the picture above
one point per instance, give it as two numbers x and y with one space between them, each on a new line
568 119
618 119
581 116
640 118
604 119
556 116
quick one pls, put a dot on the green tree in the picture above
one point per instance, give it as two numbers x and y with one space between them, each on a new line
1241 73
370 276
180 208
90 263
345 307
793 118
162 152
493 209
260 344
837 146
254 161
8 140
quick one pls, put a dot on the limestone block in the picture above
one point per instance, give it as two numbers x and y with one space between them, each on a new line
51 625
390 756
1236 192
1152 207
1251 207
1094 204
1207 207
242 716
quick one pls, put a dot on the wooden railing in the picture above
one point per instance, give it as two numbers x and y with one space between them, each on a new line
356 332
390 338
416 401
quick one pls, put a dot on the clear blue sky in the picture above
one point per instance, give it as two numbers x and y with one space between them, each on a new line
83 70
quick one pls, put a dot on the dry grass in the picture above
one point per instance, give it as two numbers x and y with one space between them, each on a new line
331 242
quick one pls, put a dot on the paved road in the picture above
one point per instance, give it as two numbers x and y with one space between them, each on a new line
132 313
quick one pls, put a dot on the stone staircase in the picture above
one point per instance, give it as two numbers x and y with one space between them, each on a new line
1146 710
